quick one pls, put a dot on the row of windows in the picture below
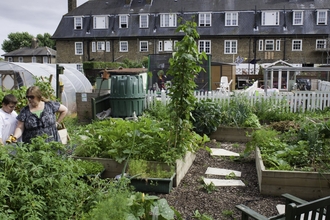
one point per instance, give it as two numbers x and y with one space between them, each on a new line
268 18
33 59
230 46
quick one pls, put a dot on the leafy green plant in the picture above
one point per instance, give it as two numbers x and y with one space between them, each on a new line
112 138
231 176
90 167
206 116
227 213
126 205
210 187
200 216
38 183
149 169
184 67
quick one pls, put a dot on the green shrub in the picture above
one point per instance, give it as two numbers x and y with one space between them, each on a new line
206 117
38 183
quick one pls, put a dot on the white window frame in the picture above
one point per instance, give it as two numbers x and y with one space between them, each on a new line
80 67
78 48
144 21
321 44
269 45
270 18
278 45
33 59
123 46
261 45
160 45
78 23
205 19
298 17
322 17
144 46
230 47
204 46
20 59
231 19
123 21
296 45
100 22
45 59
168 20
100 45
107 46
93 46
10 59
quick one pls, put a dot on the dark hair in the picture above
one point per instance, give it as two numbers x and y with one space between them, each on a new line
9 98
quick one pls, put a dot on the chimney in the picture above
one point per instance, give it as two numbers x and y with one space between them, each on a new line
72 4
34 43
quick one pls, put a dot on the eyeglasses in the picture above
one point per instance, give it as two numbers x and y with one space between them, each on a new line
29 96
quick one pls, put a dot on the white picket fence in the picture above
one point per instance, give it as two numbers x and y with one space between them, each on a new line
290 101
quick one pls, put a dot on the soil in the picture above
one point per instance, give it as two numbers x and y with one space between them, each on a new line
191 196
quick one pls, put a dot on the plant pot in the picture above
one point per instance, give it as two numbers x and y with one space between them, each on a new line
306 185
156 185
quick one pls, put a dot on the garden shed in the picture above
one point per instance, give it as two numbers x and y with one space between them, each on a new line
15 75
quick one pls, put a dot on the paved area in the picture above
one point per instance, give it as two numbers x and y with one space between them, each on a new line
231 174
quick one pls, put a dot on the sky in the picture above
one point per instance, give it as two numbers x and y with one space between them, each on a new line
32 16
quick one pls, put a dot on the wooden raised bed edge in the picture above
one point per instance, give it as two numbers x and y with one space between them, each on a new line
232 134
305 185
113 168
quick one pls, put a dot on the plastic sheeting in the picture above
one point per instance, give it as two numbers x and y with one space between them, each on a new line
73 80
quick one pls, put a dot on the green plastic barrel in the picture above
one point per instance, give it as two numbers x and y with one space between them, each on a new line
127 95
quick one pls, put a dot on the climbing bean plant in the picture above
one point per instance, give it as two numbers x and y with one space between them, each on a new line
184 67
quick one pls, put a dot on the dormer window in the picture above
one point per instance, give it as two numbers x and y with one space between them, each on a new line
123 21
270 18
101 22
168 20
78 23
144 21
204 19
231 19
322 17
298 17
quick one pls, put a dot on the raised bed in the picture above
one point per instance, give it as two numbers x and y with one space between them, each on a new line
306 185
232 134
113 168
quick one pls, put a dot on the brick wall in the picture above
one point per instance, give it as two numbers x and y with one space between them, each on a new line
66 51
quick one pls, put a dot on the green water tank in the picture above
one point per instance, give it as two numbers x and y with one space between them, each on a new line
127 95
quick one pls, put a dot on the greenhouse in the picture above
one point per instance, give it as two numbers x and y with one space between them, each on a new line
15 75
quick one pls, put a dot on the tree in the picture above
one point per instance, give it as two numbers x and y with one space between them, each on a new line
16 41
45 41
24 39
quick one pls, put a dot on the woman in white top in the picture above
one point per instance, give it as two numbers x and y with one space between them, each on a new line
8 121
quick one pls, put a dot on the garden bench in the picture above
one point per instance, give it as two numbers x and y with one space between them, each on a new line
295 209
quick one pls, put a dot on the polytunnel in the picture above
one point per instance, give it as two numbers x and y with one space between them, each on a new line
15 75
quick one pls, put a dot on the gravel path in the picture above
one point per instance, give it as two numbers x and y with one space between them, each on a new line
191 196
